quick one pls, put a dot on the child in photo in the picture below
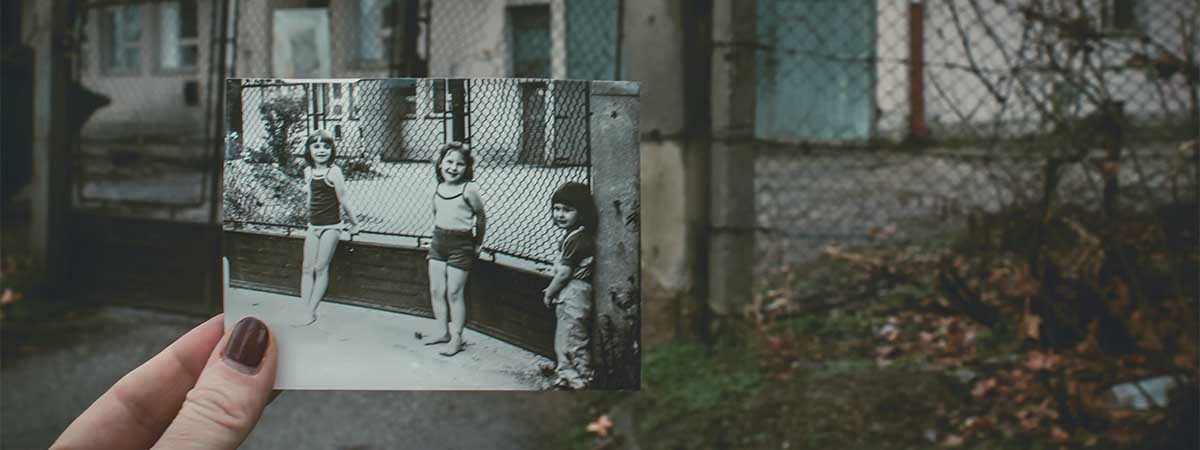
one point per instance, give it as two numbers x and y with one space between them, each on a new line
459 226
327 198
570 291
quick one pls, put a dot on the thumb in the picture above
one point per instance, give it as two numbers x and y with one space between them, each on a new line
230 394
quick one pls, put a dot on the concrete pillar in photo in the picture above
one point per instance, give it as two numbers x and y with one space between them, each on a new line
616 332
51 199
731 169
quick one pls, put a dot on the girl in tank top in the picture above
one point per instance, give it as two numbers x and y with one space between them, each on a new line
327 198
459 226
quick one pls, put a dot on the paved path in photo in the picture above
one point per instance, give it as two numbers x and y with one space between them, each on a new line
352 347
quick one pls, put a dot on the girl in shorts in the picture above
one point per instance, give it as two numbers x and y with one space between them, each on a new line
459 223
327 198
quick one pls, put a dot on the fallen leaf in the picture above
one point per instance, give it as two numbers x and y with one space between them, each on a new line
1058 434
1042 361
601 426
953 440
9 296
1028 420
927 337
983 387
975 424
1031 326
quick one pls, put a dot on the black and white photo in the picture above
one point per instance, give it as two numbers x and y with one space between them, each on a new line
436 233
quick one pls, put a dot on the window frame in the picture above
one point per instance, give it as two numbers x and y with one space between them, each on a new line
510 20
182 42
108 47
439 109
1116 24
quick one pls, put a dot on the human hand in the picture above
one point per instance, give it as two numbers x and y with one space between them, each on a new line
548 299
204 391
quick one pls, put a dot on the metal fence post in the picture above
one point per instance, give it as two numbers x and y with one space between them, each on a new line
614 142
51 200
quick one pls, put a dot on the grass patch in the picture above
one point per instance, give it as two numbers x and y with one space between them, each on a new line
690 377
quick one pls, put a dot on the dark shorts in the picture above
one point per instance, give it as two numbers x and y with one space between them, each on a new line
456 248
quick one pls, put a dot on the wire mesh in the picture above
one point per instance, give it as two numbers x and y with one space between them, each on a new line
559 39
527 136
159 64
851 147
149 69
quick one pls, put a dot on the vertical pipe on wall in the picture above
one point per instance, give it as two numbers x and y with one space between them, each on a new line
917 128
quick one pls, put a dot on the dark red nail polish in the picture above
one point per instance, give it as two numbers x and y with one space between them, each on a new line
247 344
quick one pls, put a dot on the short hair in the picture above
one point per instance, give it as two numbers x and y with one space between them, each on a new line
462 149
578 196
322 136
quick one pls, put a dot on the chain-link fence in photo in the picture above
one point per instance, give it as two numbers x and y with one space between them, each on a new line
906 120
527 136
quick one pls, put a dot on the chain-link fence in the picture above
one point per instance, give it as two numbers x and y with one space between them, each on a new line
449 38
901 120
150 151
153 70
527 137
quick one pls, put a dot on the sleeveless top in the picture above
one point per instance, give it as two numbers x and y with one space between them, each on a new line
323 207
453 212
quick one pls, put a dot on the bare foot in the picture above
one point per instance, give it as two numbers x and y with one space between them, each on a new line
452 349
310 322
561 384
442 340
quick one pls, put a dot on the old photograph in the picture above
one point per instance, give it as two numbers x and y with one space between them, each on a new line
436 233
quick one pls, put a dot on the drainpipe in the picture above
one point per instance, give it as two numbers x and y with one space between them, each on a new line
917 128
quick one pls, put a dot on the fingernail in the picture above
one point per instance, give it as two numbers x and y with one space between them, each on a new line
247 345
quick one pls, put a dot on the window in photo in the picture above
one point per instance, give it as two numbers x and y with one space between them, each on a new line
179 36
1119 15
337 102
439 96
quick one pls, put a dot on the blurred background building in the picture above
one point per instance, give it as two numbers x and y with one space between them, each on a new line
778 139
770 129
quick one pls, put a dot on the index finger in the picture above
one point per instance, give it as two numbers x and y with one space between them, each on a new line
138 408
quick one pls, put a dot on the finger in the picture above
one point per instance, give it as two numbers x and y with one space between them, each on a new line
231 393
136 410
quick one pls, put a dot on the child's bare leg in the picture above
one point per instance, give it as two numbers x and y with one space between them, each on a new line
329 239
456 283
309 264
437 295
